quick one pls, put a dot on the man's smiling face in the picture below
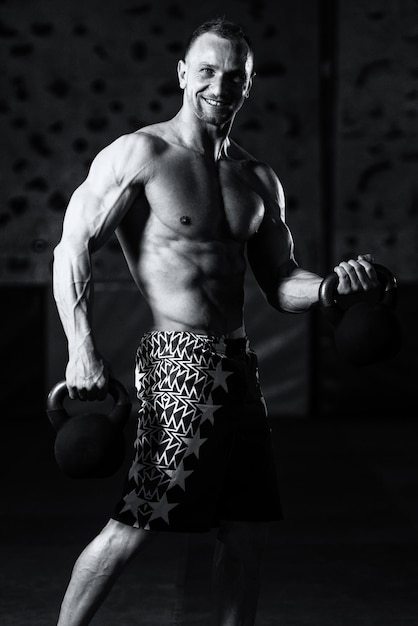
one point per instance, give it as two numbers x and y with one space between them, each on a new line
216 78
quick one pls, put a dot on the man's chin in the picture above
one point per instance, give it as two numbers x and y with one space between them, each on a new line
217 119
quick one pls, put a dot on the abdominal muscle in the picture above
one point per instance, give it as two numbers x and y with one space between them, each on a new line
194 286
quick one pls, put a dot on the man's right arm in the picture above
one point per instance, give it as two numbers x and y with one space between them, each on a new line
94 211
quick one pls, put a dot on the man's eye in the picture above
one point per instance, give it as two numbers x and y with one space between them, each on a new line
207 71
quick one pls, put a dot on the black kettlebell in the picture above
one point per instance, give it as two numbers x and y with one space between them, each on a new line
91 445
366 332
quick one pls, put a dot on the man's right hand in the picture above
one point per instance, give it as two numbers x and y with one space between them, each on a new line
87 377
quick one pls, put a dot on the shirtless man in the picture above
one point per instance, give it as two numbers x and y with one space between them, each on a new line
188 204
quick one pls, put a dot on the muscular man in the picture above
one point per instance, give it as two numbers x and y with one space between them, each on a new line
189 206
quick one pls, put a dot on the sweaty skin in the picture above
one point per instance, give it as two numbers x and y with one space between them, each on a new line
188 206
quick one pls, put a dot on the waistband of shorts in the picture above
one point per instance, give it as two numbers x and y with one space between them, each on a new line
220 344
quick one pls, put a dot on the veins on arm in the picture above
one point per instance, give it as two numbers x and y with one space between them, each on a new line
94 211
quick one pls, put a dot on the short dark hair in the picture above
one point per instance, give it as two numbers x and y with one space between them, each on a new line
223 28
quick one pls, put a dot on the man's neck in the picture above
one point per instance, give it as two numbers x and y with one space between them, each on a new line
204 138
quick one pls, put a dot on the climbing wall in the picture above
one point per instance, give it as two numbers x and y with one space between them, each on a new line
376 192
376 145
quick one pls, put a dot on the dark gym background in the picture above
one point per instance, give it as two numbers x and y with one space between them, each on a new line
334 110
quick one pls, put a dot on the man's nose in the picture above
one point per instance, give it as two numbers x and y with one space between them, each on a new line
218 85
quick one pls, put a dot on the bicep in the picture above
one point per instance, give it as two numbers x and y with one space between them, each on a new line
90 218
98 205
271 253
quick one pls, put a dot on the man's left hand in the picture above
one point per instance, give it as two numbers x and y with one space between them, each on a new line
356 275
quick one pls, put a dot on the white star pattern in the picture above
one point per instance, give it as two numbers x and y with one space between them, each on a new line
208 411
133 502
194 444
174 383
134 471
162 509
179 477
219 376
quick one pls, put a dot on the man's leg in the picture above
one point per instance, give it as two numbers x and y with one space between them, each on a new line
97 569
238 554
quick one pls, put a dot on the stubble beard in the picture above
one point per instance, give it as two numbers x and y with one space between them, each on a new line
208 114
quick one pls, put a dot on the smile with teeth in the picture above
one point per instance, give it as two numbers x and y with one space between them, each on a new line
214 103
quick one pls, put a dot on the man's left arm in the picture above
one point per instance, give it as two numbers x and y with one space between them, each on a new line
270 251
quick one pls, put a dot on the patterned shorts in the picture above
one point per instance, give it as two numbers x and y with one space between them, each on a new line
203 451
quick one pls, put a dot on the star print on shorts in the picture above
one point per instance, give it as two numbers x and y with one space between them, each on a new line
176 374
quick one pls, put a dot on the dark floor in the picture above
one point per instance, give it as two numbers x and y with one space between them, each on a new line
346 554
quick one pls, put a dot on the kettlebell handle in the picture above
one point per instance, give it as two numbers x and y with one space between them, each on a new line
58 415
328 292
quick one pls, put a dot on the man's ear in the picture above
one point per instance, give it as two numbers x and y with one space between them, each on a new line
250 84
181 73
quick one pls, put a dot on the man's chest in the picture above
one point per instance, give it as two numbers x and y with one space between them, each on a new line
198 199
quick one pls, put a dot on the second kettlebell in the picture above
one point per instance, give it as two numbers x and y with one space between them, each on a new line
365 333
90 445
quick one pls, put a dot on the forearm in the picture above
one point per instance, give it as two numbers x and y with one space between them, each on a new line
297 292
72 293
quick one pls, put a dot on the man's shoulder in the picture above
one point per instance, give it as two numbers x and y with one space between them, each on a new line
237 153
264 178
133 155
261 169
149 139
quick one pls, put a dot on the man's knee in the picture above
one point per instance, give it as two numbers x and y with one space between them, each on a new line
120 539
